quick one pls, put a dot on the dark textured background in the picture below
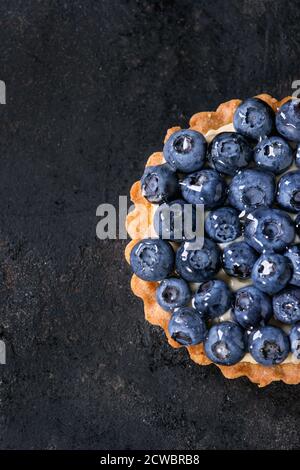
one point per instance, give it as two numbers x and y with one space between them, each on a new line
91 88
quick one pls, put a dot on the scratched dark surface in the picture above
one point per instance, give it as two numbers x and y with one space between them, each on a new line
91 88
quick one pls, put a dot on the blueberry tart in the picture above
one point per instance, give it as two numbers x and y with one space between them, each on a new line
233 299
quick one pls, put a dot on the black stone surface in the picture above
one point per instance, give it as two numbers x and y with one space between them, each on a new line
92 87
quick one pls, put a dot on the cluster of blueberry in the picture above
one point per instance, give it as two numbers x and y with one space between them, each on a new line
238 186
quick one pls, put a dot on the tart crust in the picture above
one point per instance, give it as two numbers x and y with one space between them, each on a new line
138 222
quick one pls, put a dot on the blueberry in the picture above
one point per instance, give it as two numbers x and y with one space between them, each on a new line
271 272
159 183
269 229
230 152
288 120
288 194
269 345
286 305
238 259
213 298
173 293
169 220
204 187
223 225
185 150
251 188
254 118
187 326
152 260
295 340
225 343
274 154
198 265
251 307
293 254
297 158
